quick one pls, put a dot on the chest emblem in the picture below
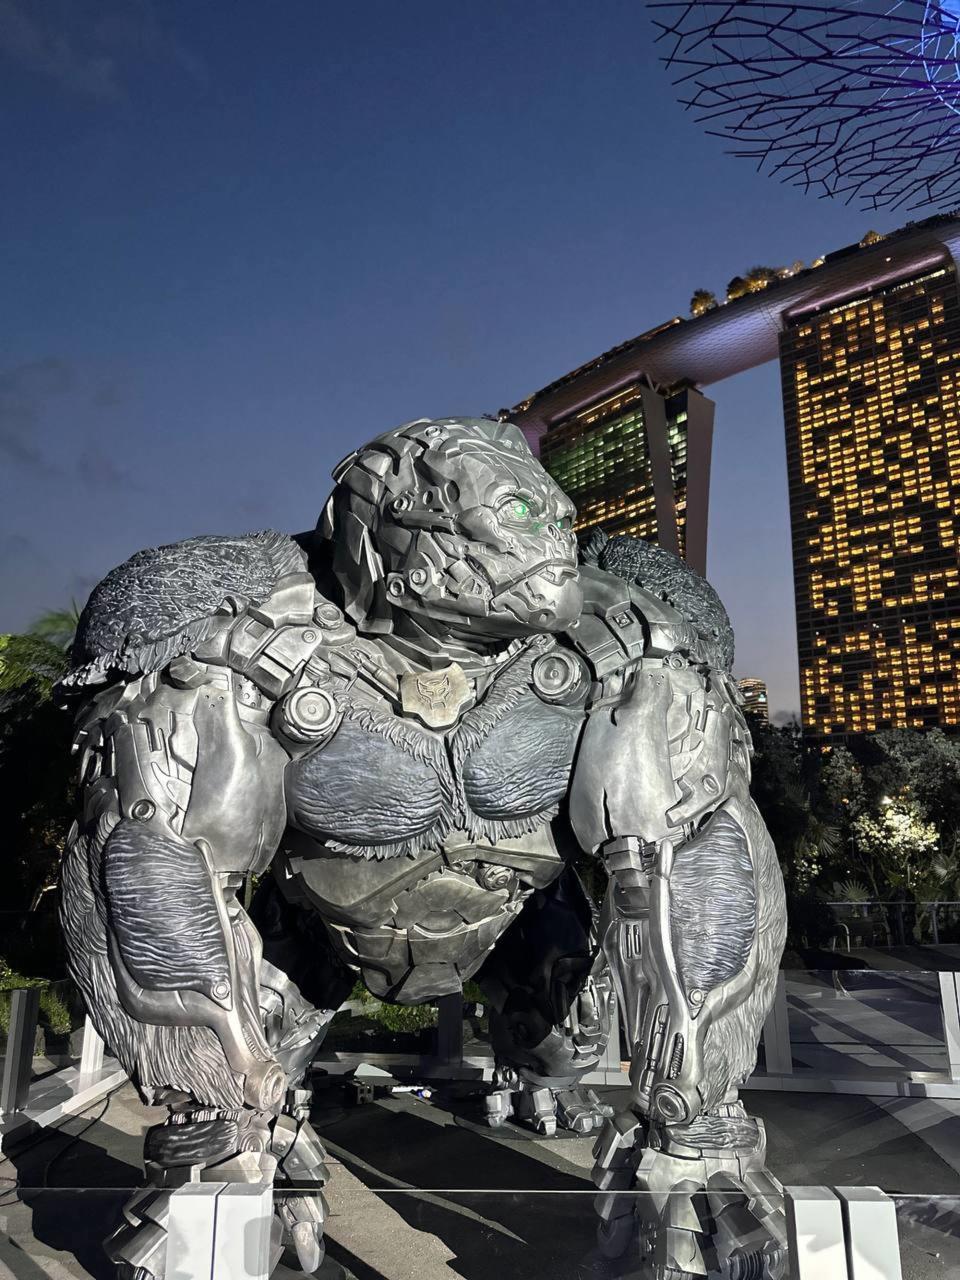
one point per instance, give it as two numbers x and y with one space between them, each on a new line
436 698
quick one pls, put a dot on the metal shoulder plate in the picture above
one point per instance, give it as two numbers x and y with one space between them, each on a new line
663 578
286 639
622 625
167 601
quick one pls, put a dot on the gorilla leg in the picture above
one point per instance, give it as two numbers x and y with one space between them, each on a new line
549 987
298 967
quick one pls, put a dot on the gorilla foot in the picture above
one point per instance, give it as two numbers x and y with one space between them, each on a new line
299 1203
690 1204
580 1110
205 1146
545 1110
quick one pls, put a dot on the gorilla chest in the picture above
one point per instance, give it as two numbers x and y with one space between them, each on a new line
384 786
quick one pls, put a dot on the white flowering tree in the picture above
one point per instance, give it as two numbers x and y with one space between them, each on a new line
905 849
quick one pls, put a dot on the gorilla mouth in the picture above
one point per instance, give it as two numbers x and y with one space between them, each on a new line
556 573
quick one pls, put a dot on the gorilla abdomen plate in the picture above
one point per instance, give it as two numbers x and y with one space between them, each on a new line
713 905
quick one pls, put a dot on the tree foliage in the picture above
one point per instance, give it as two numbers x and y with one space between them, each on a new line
759 277
807 839
35 764
736 288
702 301
880 817
30 666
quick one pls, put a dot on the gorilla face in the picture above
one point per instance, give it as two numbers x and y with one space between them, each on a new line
469 530
507 561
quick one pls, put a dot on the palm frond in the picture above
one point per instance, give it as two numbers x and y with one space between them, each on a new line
58 626
30 663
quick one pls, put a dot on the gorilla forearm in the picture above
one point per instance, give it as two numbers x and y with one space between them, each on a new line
698 918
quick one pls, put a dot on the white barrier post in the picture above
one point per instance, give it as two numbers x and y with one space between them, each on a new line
873 1239
950 1010
776 1032
841 1233
220 1231
91 1051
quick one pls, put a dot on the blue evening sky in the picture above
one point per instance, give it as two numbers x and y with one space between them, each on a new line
239 238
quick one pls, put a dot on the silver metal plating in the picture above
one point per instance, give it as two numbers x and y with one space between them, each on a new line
418 713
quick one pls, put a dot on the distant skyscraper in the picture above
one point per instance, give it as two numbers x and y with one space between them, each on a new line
755 697
639 462
871 392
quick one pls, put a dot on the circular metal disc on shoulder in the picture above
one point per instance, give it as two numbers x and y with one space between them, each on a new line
308 714
558 676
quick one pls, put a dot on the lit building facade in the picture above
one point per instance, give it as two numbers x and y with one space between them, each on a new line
871 387
755 702
869 343
638 462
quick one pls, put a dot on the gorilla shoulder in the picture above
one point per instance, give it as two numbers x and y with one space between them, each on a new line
656 577
162 601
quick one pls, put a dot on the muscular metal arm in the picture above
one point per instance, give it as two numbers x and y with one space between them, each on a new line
181 783
697 904
182 798
695 926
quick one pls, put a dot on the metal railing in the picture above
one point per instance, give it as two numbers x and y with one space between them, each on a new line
871 1031
879 923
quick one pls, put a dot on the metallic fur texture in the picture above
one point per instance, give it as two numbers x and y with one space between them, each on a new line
162 600
163 910
669 578
713 905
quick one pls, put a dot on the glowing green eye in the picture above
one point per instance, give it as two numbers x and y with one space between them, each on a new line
521 510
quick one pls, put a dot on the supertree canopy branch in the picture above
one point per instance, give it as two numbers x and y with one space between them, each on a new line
860 101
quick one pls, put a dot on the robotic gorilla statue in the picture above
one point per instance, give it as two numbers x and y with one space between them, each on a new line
419 713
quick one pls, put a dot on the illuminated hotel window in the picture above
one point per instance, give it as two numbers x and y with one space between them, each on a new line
601 458
872 429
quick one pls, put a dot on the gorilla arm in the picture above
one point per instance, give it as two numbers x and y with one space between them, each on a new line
662 794
694 929
182 798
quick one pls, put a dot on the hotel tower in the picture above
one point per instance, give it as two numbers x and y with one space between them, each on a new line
870 396
868 340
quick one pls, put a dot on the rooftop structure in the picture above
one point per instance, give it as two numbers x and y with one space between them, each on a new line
744 332
869 346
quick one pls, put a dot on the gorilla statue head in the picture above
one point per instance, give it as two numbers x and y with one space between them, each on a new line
452 523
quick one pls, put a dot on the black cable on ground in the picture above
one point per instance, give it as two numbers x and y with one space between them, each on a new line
75 1138
12 1195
